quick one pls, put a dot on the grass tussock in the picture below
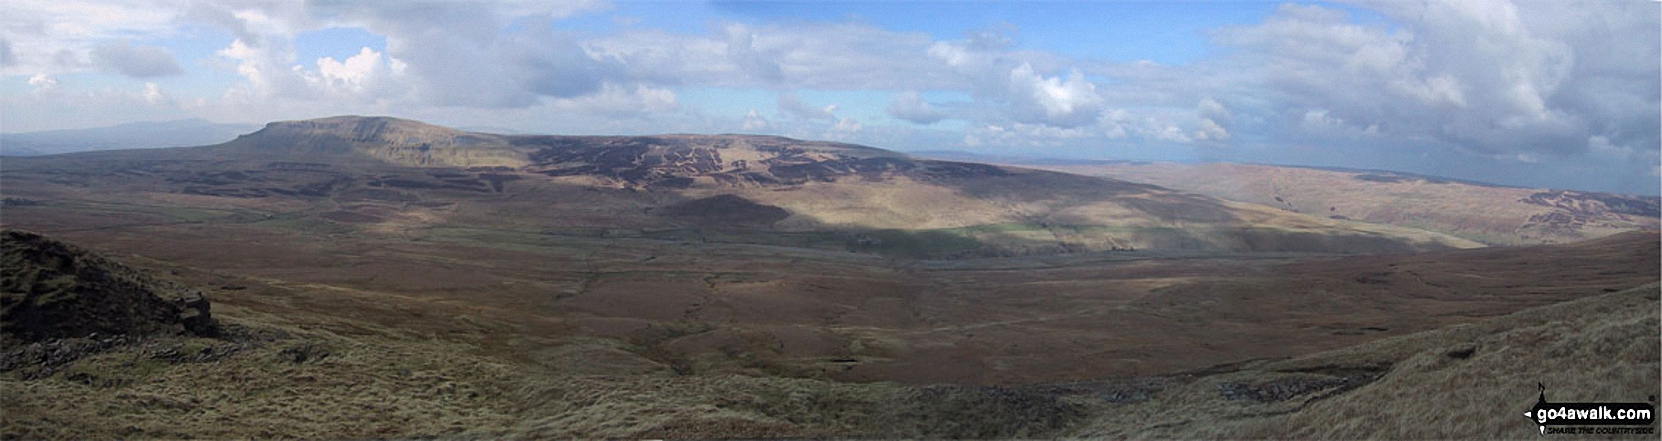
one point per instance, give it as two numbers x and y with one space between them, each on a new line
317 384
310 385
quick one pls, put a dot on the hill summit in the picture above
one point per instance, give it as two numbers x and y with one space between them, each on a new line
393 140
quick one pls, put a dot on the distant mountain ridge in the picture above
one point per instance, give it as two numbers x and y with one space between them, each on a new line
875 200
138 135
1492 214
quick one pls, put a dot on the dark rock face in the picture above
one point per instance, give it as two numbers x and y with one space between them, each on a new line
52 290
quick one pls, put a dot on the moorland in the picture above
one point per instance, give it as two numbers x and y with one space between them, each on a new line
378 277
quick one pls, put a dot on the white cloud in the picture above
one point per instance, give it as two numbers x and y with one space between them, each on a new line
910 106
806 55
135 61
845 128
1319 120
1171 133
1210 131
477 61
368 76
42 35
1069 102
791 104
153 94
1215 120
1025 135
43 83
754 122
622 101
1490 77
1113 123
955 55
1213 110
353 71
268 69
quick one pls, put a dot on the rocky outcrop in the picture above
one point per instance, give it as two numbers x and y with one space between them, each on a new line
53 290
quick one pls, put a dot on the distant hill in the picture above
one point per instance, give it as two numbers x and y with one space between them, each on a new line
874 200
139 135
1492 214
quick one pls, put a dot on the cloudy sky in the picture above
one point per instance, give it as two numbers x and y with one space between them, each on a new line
1543 93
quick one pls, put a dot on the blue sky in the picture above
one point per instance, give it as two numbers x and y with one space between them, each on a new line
1550 94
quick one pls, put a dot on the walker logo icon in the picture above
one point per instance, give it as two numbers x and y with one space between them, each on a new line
1591 414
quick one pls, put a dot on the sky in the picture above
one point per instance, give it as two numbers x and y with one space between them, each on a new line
1559 94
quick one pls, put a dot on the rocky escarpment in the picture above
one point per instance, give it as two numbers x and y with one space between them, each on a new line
53 290
388 140
655 162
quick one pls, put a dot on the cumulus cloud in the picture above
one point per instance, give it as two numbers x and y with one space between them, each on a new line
267 69
1023 135
54 36
791 104
617 100
1006 84
756 64
43 83
910 106
1490 77
135 61
754 122
501 55
1056 101
1213 110
1215 120
845 128
475 63
981 48
153 94
1211 131
351 72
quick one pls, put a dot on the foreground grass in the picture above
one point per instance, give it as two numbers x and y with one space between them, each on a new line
284 382
304 385
304 361
1466 381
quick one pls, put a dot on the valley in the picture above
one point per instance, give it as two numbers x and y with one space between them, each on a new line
743 286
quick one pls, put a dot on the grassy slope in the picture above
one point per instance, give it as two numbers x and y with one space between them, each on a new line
388 382
1464 381
401 365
